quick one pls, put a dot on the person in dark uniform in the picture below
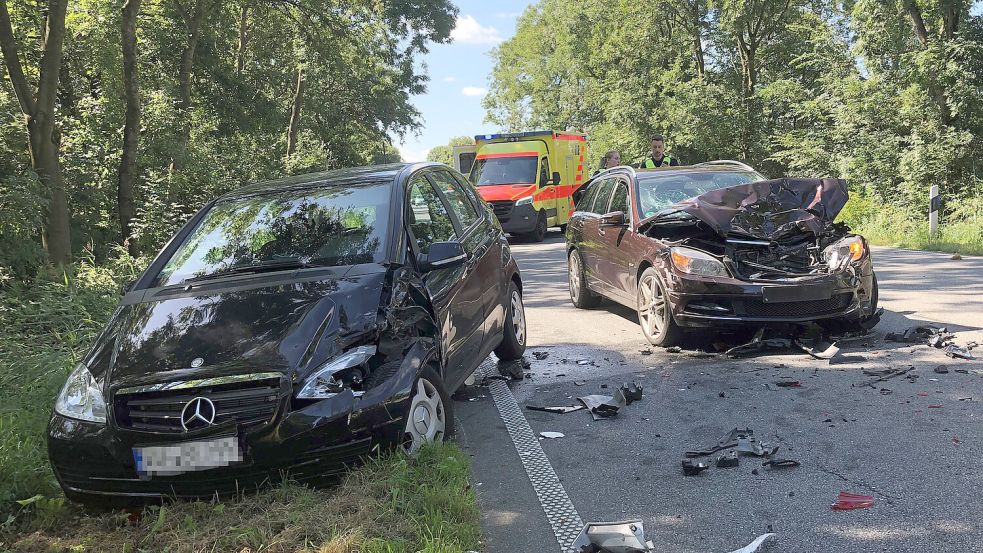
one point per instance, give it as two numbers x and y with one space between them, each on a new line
658 157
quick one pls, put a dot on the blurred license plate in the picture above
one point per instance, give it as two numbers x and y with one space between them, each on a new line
168 460
784 294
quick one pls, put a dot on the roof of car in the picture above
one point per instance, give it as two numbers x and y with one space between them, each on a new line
720 165
334 177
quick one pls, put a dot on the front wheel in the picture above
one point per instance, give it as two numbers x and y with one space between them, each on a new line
654 311
539 233
514 334
430 417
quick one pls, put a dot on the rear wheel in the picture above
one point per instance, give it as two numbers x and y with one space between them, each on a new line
429 418
514 334
580 293
539 233
654 311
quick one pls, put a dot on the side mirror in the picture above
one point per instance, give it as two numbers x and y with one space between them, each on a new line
613 219
442 255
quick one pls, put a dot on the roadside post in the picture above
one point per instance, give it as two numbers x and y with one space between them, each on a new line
933 211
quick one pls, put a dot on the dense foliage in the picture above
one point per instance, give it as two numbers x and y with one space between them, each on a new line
885 93
229 91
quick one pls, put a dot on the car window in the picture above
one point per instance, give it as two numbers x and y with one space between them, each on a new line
659 191
470 191
330 226
544 171
619 201
603 195
427 217
457 200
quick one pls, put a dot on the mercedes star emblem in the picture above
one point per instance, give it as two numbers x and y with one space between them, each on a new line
197 413
197 362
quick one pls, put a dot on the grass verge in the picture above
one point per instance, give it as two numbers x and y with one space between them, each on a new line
391 504
887 225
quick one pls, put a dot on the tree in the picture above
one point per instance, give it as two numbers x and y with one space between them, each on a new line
445 153
131 126
38 108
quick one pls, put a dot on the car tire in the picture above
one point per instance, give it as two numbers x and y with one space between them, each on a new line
563 229
874 298
655 312
539 234
581 295
429 415
515 330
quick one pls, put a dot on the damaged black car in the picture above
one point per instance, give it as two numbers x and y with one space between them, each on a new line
717 244
288 329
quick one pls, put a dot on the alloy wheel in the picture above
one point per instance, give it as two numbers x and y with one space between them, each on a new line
574 270
652 306
426 419
518 318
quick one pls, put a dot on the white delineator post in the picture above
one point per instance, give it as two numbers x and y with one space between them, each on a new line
933 211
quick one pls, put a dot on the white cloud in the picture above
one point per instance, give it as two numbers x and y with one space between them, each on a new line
411 154
474 91
469 31
450 79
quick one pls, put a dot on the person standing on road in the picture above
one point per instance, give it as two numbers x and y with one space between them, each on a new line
610 159
657 145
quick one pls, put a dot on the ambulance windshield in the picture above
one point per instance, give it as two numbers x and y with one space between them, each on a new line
504 170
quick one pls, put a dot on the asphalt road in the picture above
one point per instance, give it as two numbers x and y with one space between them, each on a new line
916 445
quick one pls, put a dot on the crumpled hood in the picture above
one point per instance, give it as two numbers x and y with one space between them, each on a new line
768 210
282 327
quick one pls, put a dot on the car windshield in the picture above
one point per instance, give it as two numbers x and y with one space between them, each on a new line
504 170
330 226
659 191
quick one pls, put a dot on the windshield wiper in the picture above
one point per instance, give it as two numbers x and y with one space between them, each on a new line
280 265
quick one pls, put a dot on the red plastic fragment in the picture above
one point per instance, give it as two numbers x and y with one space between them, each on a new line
847 501
956 440
922 394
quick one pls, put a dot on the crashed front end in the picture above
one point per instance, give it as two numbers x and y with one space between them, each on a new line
126 434
764 252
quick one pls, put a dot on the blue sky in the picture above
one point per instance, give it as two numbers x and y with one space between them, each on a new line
459 76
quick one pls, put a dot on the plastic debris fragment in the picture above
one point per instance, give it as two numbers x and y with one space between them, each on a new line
759 544
612 537
692 468
551 435
847 501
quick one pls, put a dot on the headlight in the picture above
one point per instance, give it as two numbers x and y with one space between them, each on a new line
852 248
330 379
80 397
524 201
695 262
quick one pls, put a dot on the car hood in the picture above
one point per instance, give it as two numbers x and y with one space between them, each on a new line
498 192
284 325
768 210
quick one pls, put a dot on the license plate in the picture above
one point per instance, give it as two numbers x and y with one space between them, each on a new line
785 294
169 460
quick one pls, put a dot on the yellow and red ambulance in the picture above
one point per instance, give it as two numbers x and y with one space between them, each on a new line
529 178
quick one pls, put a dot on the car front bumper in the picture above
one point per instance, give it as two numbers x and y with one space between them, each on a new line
515 219
309 444
704 302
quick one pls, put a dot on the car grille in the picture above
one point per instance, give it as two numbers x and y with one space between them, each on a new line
249 400
503 209
757 308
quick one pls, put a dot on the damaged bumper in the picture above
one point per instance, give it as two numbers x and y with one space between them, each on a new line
307 444
703 302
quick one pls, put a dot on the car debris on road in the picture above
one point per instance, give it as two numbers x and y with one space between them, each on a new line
604 407
552 435
847 501
629 537
562 410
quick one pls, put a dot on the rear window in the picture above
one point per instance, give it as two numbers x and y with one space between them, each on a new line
659 191
505 170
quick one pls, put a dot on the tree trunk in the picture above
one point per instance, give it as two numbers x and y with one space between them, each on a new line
243 38
951 10
917 23
298 103
193 22
131 127
39 116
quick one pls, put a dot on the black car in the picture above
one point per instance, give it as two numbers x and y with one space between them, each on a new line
718 244
291 327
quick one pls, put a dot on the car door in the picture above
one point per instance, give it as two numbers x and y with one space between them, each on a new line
547 192
480 243
456 297
590 247
614 260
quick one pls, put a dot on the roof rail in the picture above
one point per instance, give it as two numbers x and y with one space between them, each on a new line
725 162
629 167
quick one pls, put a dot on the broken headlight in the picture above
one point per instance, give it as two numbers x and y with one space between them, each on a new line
337 374
695 262
81 398
851 247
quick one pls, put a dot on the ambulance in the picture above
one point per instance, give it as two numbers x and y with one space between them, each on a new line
528 178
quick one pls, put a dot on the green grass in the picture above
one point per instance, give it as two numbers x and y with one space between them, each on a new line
392 504
887 225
